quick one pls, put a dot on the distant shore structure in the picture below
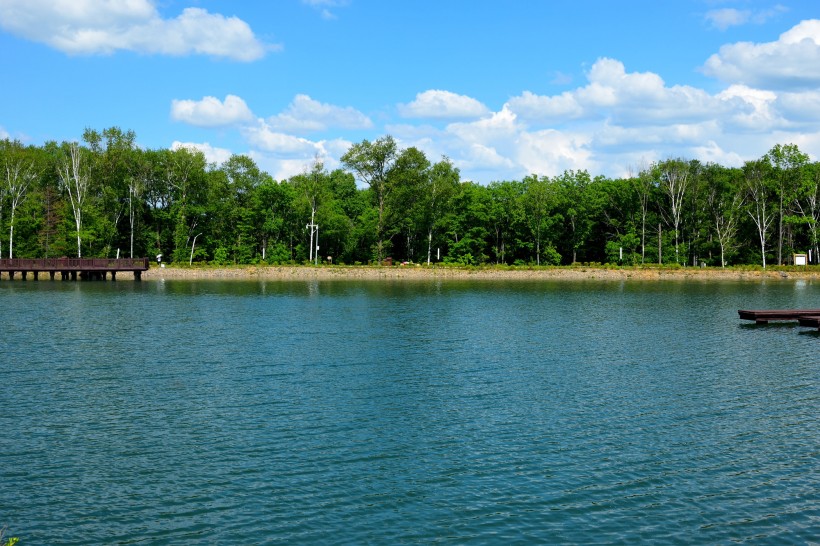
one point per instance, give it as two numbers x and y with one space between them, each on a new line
73 268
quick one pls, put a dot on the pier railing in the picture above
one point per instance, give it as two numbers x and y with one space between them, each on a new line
73 264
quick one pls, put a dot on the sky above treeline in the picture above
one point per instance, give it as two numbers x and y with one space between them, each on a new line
502 88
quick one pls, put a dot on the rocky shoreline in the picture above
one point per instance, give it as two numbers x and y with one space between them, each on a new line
573 273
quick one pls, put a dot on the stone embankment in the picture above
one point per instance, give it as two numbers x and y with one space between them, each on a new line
575 273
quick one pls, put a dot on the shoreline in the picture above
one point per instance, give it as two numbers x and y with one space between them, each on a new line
568 273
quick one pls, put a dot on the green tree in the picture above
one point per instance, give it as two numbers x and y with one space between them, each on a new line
674 178
786 162
406 208
539 202
467 229
436 198
807 203
725 198
74 180
184 173
373 164
759 200
505 216
272 205
577 203
20 172
313 189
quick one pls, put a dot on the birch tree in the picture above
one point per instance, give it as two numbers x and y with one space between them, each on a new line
725 200
19 172
674 179
759 201
441 186
74 180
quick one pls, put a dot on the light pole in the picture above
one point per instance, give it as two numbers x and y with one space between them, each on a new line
191 260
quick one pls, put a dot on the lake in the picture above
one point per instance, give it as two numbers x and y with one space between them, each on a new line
451 412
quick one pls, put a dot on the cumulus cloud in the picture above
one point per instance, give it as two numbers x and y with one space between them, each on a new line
438 104
620 96
265 138
800 107
212 154
616 121
87 27
306 115
282 168
754 109
791 62
211 112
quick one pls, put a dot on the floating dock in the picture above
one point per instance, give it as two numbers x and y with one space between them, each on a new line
804 317
72 268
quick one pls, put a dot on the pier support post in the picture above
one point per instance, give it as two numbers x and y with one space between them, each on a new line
36 275
24 273
137 275
73 275
11 275
113 276
51 275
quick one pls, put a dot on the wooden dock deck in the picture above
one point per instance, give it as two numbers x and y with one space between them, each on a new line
804 317
71 268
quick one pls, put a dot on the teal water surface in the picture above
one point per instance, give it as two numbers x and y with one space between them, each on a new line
175 412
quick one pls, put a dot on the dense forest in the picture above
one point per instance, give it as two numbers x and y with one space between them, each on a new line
107 197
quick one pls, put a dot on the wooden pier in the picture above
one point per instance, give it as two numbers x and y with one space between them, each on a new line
72 268
804 317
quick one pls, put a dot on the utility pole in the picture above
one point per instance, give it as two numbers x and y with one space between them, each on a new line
314 230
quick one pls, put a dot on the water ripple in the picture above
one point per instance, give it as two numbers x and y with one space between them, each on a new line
447 412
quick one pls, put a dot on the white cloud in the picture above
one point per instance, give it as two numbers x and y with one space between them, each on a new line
791 62
727 17
561 107
4 134
211 112
282 168
800 107
305 115
753 108
552 152
87 27
619 120
265 138
438 104
724 18
501 126
212 154
623 97
324 6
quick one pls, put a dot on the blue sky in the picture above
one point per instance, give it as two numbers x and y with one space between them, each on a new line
504 89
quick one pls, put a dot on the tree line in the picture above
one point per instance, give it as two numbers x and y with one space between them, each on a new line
107 197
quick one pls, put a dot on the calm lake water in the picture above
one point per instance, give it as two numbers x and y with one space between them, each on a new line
446 412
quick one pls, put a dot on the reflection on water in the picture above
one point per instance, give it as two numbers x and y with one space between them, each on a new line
447 411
